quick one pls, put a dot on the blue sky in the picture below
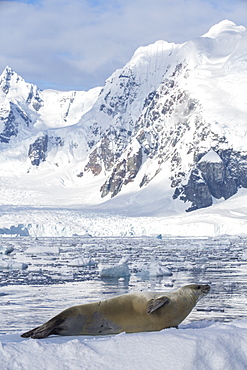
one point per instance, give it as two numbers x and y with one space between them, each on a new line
77 44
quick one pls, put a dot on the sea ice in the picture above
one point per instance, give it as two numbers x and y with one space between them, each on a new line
121 269
154 268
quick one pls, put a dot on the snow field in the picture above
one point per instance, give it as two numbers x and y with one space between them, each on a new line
207 346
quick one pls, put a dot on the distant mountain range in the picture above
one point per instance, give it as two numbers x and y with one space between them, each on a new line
171 126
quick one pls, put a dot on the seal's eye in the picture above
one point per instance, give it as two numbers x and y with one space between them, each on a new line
198 287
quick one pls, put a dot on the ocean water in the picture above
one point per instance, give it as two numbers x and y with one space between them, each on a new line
45 275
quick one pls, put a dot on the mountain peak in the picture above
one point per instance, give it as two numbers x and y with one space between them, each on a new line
7 70
8 73
225 26
8 78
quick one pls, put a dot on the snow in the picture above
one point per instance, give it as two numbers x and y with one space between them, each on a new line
57 108
141 213
225 26
217 79
211 156
194 346
74 103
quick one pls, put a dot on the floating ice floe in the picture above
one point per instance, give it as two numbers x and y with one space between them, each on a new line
42 250
83 262
7 249
12 265
154 269
244 255
121 269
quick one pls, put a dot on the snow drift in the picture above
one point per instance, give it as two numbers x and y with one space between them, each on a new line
199 345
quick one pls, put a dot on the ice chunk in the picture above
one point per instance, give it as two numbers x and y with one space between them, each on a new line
12 265
42 250
121 269
154 268
7 249
83 262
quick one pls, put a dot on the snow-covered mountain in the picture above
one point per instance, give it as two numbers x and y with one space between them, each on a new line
166 134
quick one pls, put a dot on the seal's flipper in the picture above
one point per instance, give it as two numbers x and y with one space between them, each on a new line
40 332
43 331
29 333
37 333
156 303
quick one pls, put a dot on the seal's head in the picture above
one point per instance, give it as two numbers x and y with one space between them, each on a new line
197 290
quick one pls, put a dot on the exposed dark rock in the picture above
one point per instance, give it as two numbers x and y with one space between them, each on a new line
80 174
149 98
197 192
10 127
37 150
145 181
236 163
93 164
34 98
22 115
177 69
114 184
218 179
5 82
123 173
108 150
12 121
56 141
118 103
133 165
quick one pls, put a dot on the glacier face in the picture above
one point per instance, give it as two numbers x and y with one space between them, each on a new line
171 122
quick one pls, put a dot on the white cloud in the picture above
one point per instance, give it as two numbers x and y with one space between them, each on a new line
77 44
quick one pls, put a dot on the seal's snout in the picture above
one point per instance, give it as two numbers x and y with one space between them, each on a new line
206 289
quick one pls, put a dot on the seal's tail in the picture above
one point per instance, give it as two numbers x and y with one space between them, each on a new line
43 331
